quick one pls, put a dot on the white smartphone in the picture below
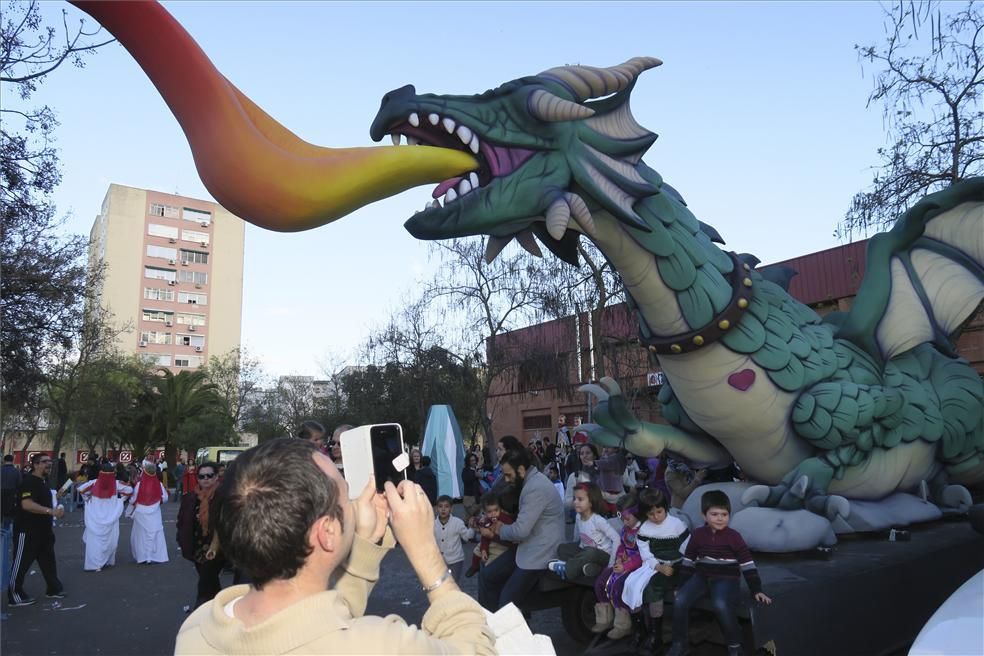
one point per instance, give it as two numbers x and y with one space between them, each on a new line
373 449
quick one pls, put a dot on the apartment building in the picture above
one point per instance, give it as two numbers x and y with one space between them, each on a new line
173 271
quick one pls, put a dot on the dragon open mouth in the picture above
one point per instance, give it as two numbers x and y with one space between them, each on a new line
495 161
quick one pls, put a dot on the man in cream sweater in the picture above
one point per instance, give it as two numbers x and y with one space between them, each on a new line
284 517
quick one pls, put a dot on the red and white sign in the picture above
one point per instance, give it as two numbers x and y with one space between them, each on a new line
126 456
83 456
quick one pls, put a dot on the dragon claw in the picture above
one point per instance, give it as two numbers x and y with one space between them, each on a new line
837 505
596 390
800 487
756 495
611 386
957 497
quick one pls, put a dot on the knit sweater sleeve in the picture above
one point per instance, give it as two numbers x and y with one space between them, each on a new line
687 565
747 564
361 571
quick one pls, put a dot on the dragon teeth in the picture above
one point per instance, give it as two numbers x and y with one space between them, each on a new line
434 119
473 144
452 195
464 134
464 187
412 141
434 204
449 125
414 120
473 178
395 138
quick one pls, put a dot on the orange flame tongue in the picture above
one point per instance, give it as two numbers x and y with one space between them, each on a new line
251 164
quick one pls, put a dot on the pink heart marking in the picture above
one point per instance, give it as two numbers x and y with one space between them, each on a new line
742 380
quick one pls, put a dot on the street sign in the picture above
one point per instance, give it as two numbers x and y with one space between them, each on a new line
83 456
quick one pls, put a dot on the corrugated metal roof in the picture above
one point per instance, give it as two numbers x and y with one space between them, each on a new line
827 275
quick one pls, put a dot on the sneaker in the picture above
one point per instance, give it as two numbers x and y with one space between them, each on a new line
558 567
24 601
55 595
591 569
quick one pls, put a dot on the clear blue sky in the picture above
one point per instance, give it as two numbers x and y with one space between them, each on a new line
760 108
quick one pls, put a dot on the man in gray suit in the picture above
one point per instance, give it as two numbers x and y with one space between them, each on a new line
538 529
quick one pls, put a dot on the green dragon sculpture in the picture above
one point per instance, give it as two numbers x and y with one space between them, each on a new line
827 413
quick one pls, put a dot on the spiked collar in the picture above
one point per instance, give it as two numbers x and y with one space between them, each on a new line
741 297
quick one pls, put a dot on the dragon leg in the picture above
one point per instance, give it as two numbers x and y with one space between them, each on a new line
614 425
803 488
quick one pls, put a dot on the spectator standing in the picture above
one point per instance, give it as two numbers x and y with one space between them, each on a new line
611 467
585 472
195 533
427 479
10 482
313 432
681 480
471 486
450 532
179 470
62 471
92 466
34 534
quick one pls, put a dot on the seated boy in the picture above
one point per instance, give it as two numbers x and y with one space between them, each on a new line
489 549
714 558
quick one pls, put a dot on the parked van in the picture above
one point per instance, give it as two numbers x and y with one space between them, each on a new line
218 454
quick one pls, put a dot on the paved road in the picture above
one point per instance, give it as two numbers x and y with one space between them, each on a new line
130 608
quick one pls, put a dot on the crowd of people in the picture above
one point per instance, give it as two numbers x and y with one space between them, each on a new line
282 520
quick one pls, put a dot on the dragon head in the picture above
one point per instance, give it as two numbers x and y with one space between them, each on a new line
547 146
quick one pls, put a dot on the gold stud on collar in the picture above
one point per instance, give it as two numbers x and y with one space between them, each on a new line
724 324
743 303
698 340
747 282
675 348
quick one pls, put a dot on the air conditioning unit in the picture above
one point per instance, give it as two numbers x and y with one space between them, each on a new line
204 224
172 282
198 349
184 262
143 344
198 286
168 324
192 301
171 262
204 244
172 240
192 328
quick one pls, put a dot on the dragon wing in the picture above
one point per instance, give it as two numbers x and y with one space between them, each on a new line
924 278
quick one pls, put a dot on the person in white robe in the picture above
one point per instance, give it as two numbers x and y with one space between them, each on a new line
147 537
103 508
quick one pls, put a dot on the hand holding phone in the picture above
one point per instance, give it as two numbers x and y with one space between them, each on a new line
375 449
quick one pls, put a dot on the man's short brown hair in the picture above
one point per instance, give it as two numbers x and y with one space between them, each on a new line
269 499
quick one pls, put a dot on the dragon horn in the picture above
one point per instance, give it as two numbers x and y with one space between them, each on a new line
591 82
251 164
548 107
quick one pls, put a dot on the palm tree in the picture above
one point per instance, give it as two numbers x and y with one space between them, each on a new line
180 398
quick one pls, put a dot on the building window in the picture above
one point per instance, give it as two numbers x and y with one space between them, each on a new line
537 422
190 297
158 230
155 294
159 359
191 319
160 274
197 277
155 337
194 257
157 315
194 235
187 361
161 251
190 340
196 215
171 212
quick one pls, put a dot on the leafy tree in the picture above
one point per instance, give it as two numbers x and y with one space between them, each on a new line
43 280
931 86
236 375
